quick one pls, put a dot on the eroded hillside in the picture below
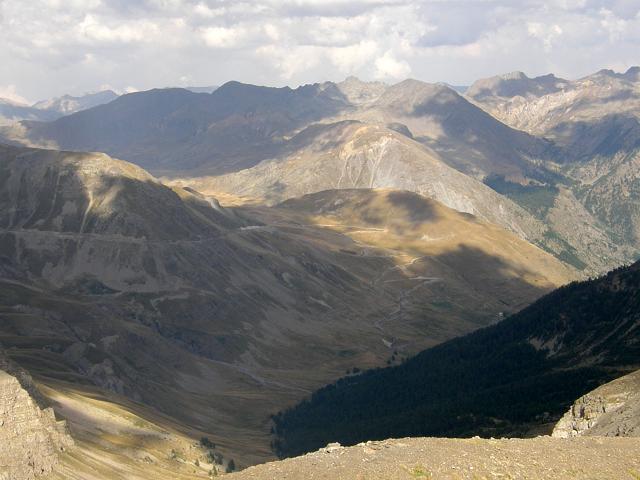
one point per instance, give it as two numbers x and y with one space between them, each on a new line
218 317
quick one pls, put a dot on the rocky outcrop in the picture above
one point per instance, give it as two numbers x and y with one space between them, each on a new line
31 438
612 410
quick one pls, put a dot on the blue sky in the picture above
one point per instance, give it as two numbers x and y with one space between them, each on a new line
51 47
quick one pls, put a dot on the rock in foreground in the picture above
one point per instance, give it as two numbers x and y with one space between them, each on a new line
612 410
30 437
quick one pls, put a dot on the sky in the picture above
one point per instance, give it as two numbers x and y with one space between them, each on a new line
53 47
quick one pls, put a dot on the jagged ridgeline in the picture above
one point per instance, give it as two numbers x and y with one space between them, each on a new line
508 379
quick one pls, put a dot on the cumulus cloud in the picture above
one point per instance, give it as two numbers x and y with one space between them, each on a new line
78 45
10 93
223 37
387 67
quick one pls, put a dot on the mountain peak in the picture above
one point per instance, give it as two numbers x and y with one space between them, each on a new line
359 92
633 74
515 84
66 104
517 75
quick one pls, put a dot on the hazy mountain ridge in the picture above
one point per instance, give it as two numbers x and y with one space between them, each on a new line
541 110
11 112
239 125
516 84
51 109
68 104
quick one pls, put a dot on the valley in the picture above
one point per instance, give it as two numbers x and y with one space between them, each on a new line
206 313
194 275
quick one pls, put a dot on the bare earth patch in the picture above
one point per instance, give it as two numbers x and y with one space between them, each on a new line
474 458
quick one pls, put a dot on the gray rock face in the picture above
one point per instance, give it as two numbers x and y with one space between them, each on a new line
30 437
612 410
11 112
594 122
68 104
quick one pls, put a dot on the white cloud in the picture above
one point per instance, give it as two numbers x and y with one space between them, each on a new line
388 67
353 58
222 37
9 92
93 29
80 44
203 10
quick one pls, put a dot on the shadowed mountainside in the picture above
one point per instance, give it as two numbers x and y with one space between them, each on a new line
357 155
11 112
239 125
259 141
218 316
502 380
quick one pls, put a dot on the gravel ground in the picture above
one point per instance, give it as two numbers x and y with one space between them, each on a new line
475 458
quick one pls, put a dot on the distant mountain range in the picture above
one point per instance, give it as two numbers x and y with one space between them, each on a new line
11 112
209 257
209 89
68 104
47 110
262 142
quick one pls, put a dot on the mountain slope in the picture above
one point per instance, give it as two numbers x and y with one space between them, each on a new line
595 121
255 132
217 317
515 84
68 104
503 379
239 125
465 136
11 112
173 130
357 155
595 115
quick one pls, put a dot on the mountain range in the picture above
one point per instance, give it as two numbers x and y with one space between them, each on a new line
595 121
260 142
218 316
51 109
181 264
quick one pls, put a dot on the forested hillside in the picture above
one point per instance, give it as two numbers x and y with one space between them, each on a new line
502 380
